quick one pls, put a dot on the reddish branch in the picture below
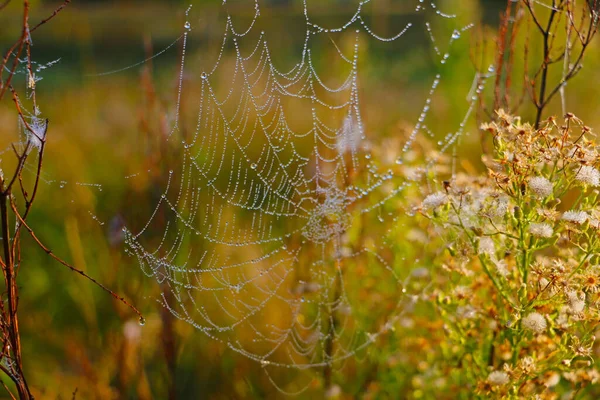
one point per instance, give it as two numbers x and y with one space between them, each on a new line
11 363
580 23
24 40
581 32
72 268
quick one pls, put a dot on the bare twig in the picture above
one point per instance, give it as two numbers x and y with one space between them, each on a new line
11 317
4 4
579 24
12 221
54 14
72 268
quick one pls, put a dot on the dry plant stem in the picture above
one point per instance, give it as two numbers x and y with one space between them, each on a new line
10 259
4 4
328 371
546 34
12 396
20 43
501 99
10 269
332 315
581 32
566 61
11 317
72 268
28 199
506 39
54 13
169 347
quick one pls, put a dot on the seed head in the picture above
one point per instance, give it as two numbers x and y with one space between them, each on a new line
541 230
551 379
588 175
576 217
434 200
576 301
498 378
528 364
486 246
501 267
535 322
541 186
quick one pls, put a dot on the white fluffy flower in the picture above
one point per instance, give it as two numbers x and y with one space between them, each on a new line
576 301
333 391
462 292
434 200
498 378
552 379
501 267
588 175
541 186
528 364
466 312
576 217
499 207
535 322
562 321
486 246
541 230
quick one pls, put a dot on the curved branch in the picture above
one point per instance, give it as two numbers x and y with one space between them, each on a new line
72 268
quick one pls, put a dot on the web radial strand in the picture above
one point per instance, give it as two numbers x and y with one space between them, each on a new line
254 239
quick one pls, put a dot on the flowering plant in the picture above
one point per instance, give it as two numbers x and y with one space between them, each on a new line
520 281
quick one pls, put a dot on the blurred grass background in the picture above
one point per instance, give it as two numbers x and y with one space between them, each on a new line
77 338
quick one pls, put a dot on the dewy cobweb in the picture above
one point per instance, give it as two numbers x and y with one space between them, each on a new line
260 227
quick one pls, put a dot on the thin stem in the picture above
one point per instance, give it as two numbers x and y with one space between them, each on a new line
483 262
12 319
544 78
72 268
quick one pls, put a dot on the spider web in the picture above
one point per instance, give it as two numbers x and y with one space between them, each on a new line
260 236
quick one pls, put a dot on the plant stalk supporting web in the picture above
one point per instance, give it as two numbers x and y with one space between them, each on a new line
15 186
